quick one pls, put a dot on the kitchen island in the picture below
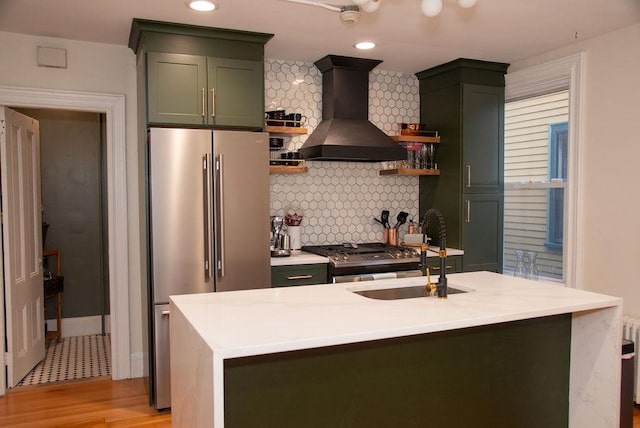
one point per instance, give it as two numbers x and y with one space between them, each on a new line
317 355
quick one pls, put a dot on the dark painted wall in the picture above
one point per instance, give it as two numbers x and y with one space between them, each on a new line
71 164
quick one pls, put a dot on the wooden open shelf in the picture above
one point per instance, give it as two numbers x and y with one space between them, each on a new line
282 169
415 139
288 169
286 129
409 171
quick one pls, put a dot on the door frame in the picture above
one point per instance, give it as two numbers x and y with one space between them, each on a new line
113 106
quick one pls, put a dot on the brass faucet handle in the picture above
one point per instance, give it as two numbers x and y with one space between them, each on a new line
431 287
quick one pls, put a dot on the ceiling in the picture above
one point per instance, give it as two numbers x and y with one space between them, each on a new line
493 30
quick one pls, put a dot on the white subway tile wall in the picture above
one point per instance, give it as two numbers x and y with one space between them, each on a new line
339 200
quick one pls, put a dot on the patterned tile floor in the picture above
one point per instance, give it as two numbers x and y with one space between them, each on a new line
73 358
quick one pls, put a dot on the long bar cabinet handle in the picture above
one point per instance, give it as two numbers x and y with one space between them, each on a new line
213 102
438 267
220 216
293 278
208 215
468 185
204 102
468 219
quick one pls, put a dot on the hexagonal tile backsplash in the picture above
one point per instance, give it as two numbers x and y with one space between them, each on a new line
340 199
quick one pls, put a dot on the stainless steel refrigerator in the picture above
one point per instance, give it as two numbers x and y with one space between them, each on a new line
208 202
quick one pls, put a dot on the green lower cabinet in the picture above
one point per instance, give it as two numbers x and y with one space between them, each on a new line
452 265
291 275
506 375
482 232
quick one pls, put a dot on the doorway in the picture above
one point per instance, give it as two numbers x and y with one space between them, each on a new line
72 169
113 105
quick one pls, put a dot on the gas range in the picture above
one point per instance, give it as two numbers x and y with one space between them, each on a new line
372 257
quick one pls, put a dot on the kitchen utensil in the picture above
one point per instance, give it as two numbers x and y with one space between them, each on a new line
384 217
401 218
393 237
294 235
379 221
277 222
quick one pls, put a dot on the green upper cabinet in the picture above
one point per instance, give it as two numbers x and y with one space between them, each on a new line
234 86
464 101
200 76
482 138
176 88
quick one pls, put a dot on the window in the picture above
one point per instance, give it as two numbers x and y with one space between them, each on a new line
558 142
562 74
535 165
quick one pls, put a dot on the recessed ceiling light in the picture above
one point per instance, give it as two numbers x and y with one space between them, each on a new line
201 5
365 45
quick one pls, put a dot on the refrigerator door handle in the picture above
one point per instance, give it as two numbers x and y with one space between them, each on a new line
208 222
220 215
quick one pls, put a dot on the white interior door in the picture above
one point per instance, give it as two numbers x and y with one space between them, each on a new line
21 243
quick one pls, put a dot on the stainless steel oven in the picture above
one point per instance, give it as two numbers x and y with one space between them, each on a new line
369 261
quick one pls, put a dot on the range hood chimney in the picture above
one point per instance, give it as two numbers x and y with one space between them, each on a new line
345 133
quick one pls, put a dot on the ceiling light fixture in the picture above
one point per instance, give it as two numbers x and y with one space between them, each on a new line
368 5
201 5
365 45
432 8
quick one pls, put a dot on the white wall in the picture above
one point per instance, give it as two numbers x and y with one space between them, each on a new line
91 67
610 145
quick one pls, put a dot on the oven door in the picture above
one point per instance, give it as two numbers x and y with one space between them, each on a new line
376 276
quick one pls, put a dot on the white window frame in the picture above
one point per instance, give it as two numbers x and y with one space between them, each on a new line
564 73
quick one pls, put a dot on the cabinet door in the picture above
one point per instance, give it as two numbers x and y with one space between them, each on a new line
176 88
482 232
236 92
482 136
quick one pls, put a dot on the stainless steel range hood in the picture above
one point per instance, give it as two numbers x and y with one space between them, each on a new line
345 133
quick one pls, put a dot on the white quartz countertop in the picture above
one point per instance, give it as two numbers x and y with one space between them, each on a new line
298 258
253 322
303 258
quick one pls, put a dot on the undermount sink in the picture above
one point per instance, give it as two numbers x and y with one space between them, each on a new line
402 292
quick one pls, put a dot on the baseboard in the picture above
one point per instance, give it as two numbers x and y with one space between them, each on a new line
81 326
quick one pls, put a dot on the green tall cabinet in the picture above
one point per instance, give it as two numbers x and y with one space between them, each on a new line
464 101
200 76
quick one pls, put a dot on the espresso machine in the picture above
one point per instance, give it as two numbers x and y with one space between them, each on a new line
280 244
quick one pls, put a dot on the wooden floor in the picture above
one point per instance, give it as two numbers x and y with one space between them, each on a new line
97 402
